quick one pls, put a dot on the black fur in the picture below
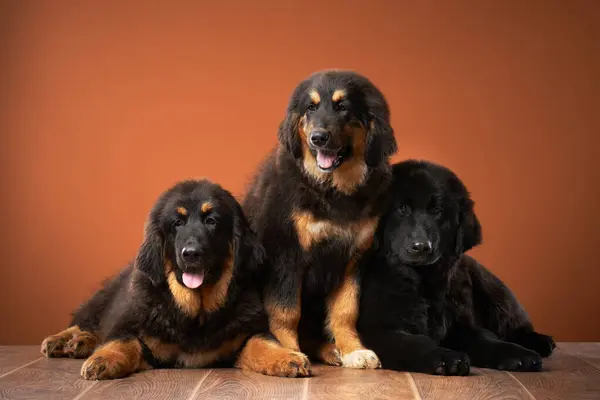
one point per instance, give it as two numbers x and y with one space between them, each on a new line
428 307
138 302
361 135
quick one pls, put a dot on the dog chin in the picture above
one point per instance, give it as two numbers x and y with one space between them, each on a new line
419 262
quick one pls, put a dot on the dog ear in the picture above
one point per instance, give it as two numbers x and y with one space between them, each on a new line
469 230
249 254
381 142
288 134
150 257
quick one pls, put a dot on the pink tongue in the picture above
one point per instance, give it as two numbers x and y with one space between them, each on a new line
325 161
192 280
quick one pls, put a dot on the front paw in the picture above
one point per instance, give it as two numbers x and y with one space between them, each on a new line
104 366
291 365
80 346
544 345
53 346
509 357
361 359
448 362
330 355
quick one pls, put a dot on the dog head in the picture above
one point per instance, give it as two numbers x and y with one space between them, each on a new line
195 230
431 215
338 125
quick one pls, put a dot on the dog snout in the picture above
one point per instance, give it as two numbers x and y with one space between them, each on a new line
319 137
421 247
190 253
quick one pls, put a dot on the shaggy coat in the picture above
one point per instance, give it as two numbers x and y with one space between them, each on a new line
315 204
428 307
189 299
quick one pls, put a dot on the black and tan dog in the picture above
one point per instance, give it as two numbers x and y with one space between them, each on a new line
315 204
188 300
425 305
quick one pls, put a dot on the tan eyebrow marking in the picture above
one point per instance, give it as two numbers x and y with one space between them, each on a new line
206 207
338 95
314 96
181 211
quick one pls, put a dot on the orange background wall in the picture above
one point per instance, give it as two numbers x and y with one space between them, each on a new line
106 103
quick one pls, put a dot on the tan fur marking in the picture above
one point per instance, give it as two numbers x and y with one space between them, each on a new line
72 342
314 96
53 345
353 171
283 323
206 207
338 95
115 359
161 350
205 358
270 358
188 300
342 307
311 231
214 296
181 211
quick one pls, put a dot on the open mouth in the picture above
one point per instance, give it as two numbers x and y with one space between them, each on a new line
328 160
193 280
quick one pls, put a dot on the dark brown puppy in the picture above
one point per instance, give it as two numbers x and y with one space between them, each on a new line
188 300
315 204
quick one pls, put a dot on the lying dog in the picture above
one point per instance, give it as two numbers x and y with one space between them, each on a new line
424 303
188 300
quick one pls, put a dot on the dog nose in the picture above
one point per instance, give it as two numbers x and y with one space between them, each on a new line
190 253
421 247
319 138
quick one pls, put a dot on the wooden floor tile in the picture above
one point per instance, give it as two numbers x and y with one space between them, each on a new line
589 352
156 384
45 379
565 376
12 357
344 383
237 384
482 384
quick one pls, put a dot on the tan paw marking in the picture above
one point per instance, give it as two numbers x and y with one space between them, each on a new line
295 364
102 367
330 355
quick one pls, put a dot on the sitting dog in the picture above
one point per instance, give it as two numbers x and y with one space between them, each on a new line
188 299
425 305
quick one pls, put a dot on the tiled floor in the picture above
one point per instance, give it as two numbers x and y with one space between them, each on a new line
572 372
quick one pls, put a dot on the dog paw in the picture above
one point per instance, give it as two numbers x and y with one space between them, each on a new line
53 346
330 355
512 357
99 367
362 359
544 345
450 363
292 365
80 346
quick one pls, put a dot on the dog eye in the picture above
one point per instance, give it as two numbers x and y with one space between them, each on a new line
404 210
210 221
312 107
177 222
340 107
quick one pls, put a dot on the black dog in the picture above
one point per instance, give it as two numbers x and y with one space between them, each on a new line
315 204
188 300
424 303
